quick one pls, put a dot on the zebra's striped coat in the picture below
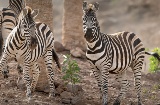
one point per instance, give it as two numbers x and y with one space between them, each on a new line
18 46
112 54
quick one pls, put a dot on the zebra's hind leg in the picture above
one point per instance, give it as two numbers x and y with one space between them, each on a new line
124 86
137 67
36 72
48 62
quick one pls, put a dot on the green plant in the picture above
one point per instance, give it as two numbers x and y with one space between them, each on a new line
154 63
71 69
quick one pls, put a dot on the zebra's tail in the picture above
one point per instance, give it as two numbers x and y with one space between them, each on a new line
1 39
153 54
56 59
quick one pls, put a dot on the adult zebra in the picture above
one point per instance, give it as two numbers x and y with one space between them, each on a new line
8 22
112 54
18 45
17 6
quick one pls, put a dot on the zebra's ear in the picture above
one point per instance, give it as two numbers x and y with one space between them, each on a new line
25 11
34 13
96 6
84 6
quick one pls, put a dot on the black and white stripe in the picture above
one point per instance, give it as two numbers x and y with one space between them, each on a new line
112 54
18 45
8 22
17 6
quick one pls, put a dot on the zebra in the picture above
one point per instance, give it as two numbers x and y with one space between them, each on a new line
112 54
17 6
8 22
18 45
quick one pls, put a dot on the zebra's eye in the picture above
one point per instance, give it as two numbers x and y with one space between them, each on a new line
25 26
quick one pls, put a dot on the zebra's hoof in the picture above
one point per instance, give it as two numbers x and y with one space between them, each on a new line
51 95
20 70
5 73
105 104
139 103
116 102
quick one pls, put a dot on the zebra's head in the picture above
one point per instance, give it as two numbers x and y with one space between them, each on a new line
28 26
90 24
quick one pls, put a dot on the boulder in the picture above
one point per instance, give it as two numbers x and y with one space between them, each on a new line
77 52
58 46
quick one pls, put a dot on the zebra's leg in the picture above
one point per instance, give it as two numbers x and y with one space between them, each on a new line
137 67
105 76
124 86
97 75
20 72
5 71
3 66
26 78
48 62
36 73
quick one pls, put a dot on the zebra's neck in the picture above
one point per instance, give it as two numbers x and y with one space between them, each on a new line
96 44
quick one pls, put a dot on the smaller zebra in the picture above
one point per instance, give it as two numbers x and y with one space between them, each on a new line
19 45
112 54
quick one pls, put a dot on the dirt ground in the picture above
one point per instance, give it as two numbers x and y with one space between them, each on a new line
11 95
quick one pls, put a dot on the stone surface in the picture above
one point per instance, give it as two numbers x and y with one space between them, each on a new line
58 46
77 52
66 95
72 33
77 101
44 6
66 101
74 89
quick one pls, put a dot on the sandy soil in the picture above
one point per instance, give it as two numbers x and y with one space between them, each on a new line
11 95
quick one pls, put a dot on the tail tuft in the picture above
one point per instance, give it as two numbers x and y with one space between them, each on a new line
153 54
56 59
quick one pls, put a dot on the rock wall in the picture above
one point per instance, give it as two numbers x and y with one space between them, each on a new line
45 11
72 33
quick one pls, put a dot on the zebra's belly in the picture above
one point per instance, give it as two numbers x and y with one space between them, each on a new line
113 66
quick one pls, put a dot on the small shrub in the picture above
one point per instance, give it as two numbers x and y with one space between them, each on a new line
71 69
154 63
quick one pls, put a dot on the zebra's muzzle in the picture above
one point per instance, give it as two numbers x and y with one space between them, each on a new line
89 35
34 43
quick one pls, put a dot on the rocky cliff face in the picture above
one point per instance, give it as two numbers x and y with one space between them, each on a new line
72 33
45 11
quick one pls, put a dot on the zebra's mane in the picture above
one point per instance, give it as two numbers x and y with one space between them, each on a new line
29 11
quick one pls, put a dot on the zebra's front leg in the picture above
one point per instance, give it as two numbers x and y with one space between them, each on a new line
105 75
20 72
36 72
124 86
26 78
3 66
48 62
